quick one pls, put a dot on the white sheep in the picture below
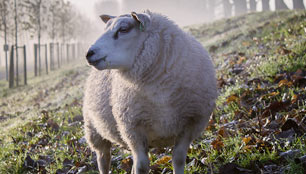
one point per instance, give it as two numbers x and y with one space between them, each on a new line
159 89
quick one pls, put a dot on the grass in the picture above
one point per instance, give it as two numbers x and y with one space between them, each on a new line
41 129
42 139
267 46
23 103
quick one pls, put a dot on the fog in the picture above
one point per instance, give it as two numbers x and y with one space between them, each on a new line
183 12
85 25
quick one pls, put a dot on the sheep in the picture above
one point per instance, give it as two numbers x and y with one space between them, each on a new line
157 89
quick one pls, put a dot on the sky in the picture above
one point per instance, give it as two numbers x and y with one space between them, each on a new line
85 6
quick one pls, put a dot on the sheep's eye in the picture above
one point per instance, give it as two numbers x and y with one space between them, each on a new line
124 30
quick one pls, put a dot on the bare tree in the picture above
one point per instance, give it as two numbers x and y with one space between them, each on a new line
16 40
54 18
298 4
280 5
211 9
5 27
36 23
65 15
227 7
265 5
253 5
240 7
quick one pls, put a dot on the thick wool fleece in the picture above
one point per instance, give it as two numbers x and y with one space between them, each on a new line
170 91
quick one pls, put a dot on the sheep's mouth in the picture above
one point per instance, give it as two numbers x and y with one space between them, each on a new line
96 62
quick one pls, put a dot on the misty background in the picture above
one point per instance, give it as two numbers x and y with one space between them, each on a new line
67 22
187 12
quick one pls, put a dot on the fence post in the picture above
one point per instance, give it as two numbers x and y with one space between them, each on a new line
39 59
46 58
78 50
51 57
61 49
11 75
25 64
17 68
52 51
6 48
73 51
35 59
67 52
58 54
62 52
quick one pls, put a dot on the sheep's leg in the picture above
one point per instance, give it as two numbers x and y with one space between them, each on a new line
141 161
179 154
101 146
138 146
104 157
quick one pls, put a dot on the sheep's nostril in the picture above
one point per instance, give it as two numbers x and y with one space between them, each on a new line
89 54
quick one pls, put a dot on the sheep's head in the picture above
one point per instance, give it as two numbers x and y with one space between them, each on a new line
120 43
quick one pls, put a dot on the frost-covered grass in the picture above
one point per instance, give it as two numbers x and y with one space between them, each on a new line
21 104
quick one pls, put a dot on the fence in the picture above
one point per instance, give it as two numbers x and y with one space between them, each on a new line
50 56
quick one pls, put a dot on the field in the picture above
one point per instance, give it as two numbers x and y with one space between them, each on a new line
258 125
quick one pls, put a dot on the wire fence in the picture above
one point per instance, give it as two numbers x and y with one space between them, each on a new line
47 57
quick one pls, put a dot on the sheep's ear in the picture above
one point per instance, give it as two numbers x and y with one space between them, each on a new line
106 18
142 19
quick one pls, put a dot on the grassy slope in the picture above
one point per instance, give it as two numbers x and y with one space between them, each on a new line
260 60
261 66
19 105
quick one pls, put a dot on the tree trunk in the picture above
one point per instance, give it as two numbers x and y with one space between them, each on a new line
58 55
6 46
11 77
53 27
253 5
280 5
63 33
35 60
16 42
51 57
298 4
25 65
52 44
240 7
265 5
39 35
211 10
39 53
227 7
46 58
68 55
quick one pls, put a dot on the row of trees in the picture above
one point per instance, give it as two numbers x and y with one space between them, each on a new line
55 18
47 20
186 12
240 6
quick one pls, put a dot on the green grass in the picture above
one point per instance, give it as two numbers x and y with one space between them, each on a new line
267 45
23 103
40 138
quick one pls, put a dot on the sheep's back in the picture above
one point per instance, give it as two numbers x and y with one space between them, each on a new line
190 84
